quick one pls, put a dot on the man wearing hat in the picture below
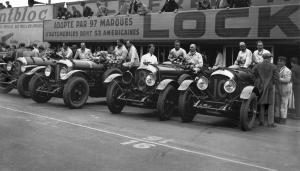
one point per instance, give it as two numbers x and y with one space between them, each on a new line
266 76
283 91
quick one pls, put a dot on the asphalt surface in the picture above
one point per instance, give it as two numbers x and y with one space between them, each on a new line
42 137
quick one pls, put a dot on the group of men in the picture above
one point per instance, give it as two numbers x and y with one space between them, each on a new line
274 82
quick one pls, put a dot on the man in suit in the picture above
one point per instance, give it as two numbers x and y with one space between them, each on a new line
283 91
266 76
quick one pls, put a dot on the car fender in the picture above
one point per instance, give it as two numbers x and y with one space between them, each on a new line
164 83
247 91
185 85
35 70
73 72
111 78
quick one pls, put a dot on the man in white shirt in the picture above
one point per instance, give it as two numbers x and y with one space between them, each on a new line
149 58
65 52
244 58
257 55
194 58
83 53
121 51
177 52
35 50
133 57
220 61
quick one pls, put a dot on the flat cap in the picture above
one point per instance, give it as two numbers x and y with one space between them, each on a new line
267 55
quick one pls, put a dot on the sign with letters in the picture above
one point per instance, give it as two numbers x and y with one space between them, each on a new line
24 24
272 22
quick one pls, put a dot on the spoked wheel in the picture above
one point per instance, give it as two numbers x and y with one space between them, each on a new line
35 83
167 102
23 85
114 105
76 92
186 106
5 88
248 112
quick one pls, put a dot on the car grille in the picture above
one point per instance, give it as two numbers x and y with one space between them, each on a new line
216 87
140 77
16 69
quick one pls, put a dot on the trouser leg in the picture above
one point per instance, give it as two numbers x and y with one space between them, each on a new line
271 110
262 114
277 104
284 106
297 100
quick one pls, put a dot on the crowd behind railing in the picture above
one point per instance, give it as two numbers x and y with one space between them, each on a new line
134 7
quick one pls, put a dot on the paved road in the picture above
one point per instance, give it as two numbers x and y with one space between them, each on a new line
42 137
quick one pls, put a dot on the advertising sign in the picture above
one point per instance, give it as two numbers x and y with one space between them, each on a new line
23 24
273 22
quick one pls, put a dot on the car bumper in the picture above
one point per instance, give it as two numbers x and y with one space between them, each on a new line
138 99
224 109
55 89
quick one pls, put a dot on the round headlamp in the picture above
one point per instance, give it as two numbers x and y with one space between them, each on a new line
23 68
63 72
150 80
9 66
48 71
230 86
202 83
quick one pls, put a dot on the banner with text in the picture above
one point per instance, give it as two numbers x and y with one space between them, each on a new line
273 22
23 25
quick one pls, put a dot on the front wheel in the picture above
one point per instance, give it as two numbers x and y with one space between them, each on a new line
4 88
248 112
35 83
23 85
166 103
114 105
76 92
185 106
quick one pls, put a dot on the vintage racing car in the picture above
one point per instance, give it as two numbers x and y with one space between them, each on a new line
72 80
153 86
13 74
224 92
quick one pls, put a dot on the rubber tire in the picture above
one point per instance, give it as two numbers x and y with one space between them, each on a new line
185 115
21 87
244 123
183 77
161 108
108 72
5 90
111 101
33 85
68 89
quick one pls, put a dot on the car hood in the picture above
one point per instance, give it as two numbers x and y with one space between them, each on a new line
35 61
85 64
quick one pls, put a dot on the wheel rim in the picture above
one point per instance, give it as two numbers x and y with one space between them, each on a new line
252 111
78 92
39 84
